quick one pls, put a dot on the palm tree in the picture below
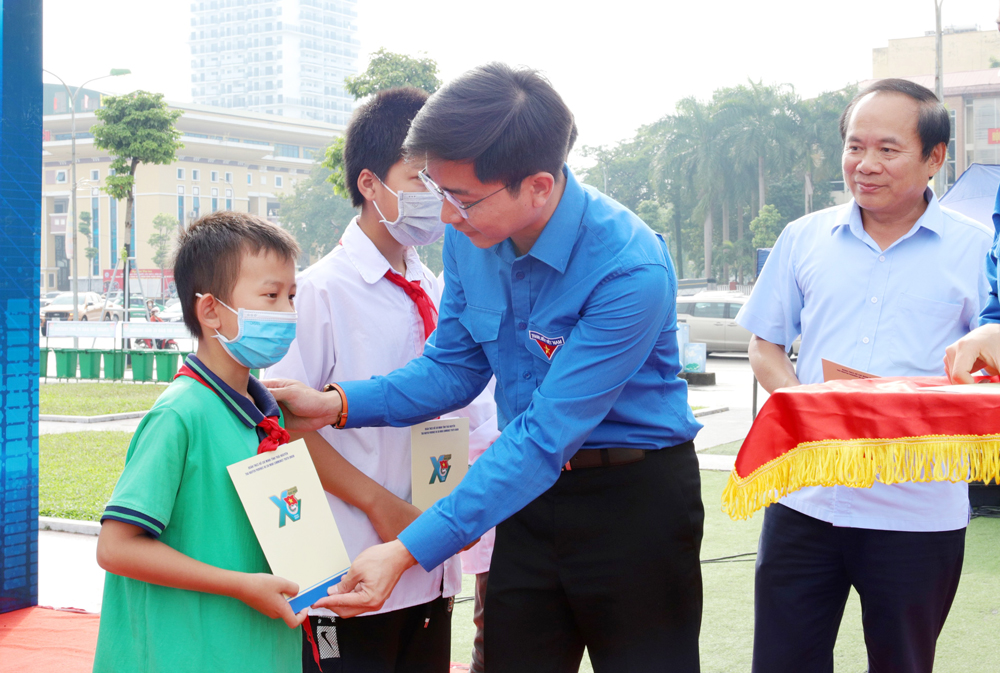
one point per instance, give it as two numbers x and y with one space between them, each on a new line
759 121
694 153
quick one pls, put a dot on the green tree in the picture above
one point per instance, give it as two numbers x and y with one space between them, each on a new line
135 128
657 217
385 71
818 146
766 227
695 147
315 214
759 122
165 229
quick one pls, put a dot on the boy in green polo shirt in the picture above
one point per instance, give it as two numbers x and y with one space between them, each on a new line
188 588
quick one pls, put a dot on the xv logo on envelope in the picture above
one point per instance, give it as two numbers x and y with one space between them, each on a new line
548 345
288 506
441 467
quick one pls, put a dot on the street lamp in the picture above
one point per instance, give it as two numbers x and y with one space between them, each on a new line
71 96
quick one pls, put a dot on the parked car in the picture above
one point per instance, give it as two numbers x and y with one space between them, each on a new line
172 311
115 311
47 298
711 317
61 308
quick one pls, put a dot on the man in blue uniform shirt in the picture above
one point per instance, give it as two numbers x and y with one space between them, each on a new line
568 299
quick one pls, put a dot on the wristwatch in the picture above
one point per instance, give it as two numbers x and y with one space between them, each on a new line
342 419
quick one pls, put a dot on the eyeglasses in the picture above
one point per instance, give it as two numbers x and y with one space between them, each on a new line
443 194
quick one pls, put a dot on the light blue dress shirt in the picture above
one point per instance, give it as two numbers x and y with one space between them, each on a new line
580 333
889 312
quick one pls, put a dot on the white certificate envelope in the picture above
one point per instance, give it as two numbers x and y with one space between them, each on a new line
439 455
288 510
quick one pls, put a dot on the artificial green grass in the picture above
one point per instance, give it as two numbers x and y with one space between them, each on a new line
93 399
78 471
729 449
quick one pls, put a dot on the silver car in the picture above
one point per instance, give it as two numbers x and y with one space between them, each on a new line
711 317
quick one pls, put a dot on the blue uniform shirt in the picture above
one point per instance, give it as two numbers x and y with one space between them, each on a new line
991 313
890 312
580 333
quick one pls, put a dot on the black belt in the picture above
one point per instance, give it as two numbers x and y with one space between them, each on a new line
586 458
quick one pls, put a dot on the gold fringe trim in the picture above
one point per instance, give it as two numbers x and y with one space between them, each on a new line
859 463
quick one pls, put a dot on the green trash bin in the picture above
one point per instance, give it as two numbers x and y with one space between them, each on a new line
90 363
142 365
43 362
255 373
66 363
166 365
114 365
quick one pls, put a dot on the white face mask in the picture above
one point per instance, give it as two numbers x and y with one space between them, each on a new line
419 220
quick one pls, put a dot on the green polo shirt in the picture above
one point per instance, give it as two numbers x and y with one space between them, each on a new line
175 486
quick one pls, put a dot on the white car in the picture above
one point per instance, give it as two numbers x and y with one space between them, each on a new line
711 317
172 311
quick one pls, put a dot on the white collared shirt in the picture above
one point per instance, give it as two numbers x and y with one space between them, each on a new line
355 324
890 312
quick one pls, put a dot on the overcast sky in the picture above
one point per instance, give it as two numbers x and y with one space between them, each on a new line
618 63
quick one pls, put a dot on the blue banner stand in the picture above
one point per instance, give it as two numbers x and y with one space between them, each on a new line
20 230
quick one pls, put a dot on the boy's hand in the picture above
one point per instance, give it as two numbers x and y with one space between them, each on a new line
371 579
268 595
391 515
309 409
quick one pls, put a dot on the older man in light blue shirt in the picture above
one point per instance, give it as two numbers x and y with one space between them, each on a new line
882 284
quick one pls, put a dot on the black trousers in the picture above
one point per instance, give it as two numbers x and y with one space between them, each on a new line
607 559
805 570
411 640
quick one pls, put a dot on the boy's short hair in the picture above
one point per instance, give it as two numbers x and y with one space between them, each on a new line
210 252
509 123
375 135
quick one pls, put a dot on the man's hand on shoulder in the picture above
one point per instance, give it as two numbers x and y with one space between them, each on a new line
371 579
305 408
979 349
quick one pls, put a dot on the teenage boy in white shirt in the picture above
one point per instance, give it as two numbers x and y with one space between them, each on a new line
366 309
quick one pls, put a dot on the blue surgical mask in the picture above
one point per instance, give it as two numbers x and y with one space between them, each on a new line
263 337
419 219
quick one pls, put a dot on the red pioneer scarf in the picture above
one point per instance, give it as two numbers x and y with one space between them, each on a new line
425 307
854 433
275 434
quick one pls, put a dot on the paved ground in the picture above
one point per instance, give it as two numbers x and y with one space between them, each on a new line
734 389
68 574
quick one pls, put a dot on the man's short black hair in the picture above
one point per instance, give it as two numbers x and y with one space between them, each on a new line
210 253
933 124
375 135
509 123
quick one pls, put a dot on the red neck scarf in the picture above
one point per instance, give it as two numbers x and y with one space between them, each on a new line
274 434
416 293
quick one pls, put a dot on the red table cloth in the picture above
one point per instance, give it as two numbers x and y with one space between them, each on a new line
857 432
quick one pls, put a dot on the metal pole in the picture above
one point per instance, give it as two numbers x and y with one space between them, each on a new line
72 198
939 177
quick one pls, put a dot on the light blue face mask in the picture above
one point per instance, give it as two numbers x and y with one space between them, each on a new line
263 338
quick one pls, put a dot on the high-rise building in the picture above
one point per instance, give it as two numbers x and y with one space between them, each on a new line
281 57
